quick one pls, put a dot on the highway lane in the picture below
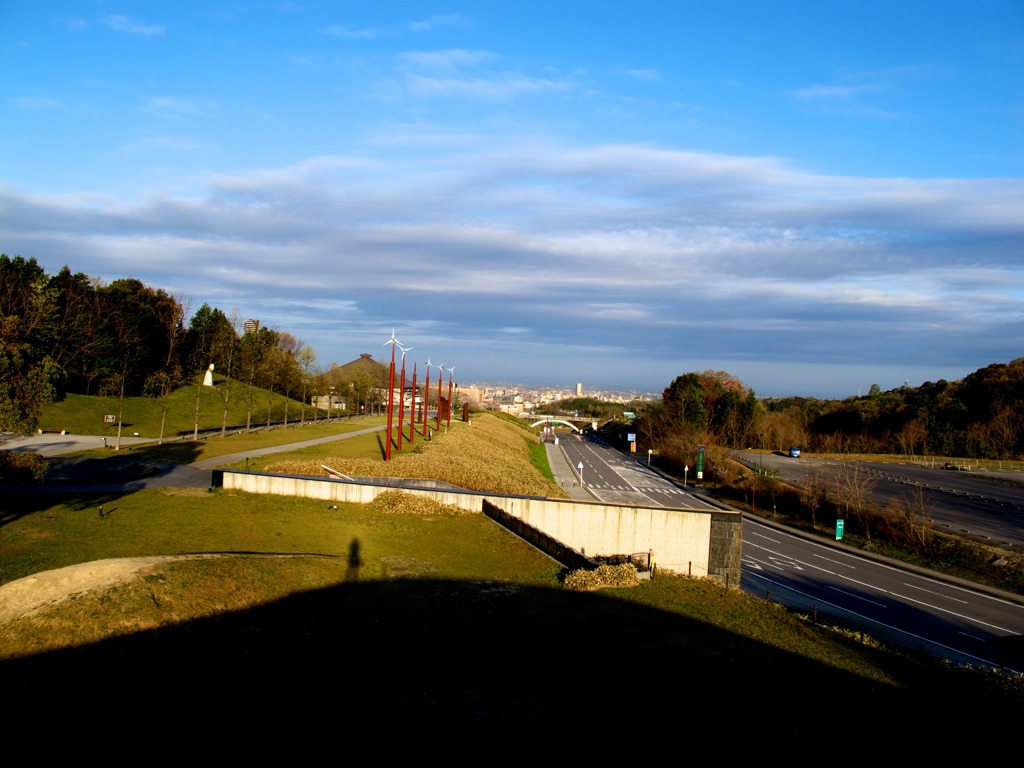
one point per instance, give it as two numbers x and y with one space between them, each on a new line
911 608
903 606
613 477
985 506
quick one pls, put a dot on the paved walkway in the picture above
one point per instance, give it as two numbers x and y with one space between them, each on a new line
231 458
154 474
146 474
564 474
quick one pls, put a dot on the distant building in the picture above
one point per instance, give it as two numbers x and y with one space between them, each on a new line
251 326
579 389
471 394
368 377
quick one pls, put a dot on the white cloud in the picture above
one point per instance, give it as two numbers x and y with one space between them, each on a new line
646 75
452 58
132 27
655 253
38 103
340 30
438 20
819 92
172 106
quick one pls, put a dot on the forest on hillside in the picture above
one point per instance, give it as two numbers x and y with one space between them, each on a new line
70 333
979 417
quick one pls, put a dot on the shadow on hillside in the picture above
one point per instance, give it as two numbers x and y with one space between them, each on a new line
430 650
178 452
24 501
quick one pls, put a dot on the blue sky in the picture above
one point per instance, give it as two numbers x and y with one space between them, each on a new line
813 196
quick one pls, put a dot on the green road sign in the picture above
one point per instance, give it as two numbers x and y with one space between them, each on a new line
839 529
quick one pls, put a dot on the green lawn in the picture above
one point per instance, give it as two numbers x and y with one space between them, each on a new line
82 415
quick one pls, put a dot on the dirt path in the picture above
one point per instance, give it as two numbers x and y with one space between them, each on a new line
41 590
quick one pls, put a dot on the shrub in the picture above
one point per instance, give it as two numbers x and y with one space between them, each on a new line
22 467
402 503
624 575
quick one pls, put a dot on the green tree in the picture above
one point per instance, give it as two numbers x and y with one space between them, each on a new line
26 379
28 373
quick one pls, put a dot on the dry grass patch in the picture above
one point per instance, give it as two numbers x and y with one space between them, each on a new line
402 503
488 455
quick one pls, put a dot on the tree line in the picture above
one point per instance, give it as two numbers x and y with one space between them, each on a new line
979 417
71 333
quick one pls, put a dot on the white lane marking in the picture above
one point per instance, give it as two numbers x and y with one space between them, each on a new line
953 587
766 563
837 562
973 637
851 594
901 596
963 616
937 594
773 541
816 601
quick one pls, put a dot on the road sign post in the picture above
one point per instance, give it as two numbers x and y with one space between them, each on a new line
580 468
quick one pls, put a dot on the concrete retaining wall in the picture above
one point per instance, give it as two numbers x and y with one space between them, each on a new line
690 542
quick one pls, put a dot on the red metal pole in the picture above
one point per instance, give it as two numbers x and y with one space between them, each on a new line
449 425
412 411
440 378
401 404
426 400
391 402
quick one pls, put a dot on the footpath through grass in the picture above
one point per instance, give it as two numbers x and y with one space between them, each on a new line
188 451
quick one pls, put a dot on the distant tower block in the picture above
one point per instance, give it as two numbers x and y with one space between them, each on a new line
579 389
251 326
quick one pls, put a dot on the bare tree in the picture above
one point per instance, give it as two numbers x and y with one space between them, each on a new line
853 485
171 317
307 367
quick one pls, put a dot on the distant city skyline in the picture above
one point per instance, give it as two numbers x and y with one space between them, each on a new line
813 197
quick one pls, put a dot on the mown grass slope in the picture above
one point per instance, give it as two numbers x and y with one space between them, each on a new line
83 415
489 454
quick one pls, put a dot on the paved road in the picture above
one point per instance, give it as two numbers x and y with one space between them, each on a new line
911 607
135 474
905 606
984 505
613 477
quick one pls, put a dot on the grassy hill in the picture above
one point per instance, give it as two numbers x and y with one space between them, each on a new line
83 415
